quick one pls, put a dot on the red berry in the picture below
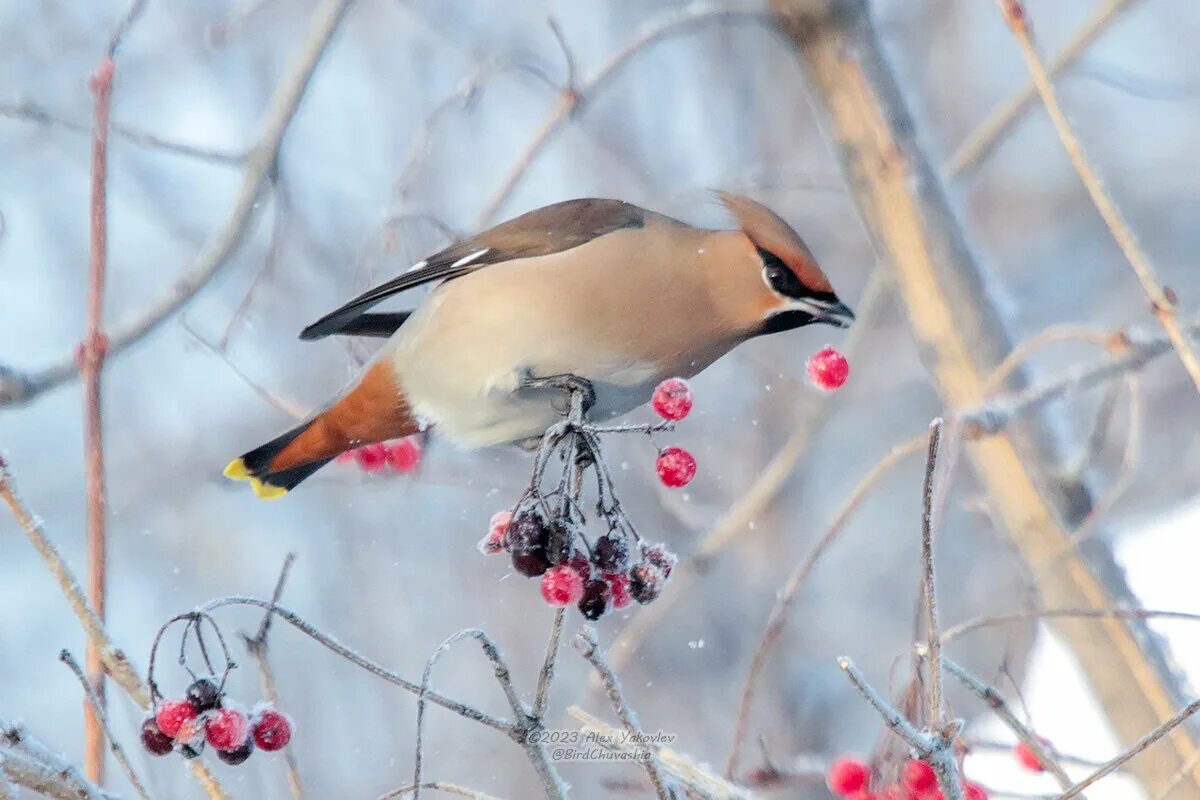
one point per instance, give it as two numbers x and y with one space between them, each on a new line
346 456
618 588
847 776
371 457
973 791
404 456
918 777
272 729
562 586
828 369
579 562
1027 758
227 729
530 563
672 399
171 716
154 740
494 541
676 467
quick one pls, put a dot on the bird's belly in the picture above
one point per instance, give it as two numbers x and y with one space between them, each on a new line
497 410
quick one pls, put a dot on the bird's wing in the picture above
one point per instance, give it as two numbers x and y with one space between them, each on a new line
552 229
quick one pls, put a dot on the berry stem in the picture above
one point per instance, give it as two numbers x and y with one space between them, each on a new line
546 676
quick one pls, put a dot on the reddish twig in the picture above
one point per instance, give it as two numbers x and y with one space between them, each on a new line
92 353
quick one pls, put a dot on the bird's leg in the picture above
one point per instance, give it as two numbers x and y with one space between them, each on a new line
566 383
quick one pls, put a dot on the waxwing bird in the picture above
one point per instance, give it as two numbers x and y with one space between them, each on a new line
595 291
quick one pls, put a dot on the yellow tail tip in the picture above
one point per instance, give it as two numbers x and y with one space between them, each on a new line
266 491
236 470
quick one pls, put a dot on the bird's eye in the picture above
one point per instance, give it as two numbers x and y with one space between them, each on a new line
782 279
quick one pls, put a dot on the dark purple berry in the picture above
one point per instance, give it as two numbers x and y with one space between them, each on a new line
558 541
595 599
645 583
204 695
239 755
662 558
527 531
530 563
154 740
192 749
611 552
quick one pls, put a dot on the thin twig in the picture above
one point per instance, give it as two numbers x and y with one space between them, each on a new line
1141 744
117 751
116 665
576 95
697 779
39 769
354 657
35 114
587 645
92 352
975 623
257 645
778 617
546 675
1162 301
438 786
995 701
992 130
23 386
929 579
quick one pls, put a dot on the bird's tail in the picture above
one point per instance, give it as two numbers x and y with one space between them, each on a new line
374 410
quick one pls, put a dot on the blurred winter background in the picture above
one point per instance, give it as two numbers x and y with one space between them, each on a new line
417 118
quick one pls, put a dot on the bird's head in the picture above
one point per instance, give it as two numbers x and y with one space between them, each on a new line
789 289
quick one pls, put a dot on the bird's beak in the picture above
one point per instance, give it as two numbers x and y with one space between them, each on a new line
837 314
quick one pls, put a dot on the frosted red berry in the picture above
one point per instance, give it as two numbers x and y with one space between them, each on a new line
610 553
272 730
596 596
580 563
404 456
973 791
672 399
172 714
526 531
372 457
227 729
665 560
828 369
154 741
1027 758
239 754
562 586
918 777
494 542
204 695
847 776
676 467
618 589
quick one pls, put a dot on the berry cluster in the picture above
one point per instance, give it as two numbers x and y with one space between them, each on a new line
828 369
543 534
202 715
593 578
402 456
851 778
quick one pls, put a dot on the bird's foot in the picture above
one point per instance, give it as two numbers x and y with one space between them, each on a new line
570 385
